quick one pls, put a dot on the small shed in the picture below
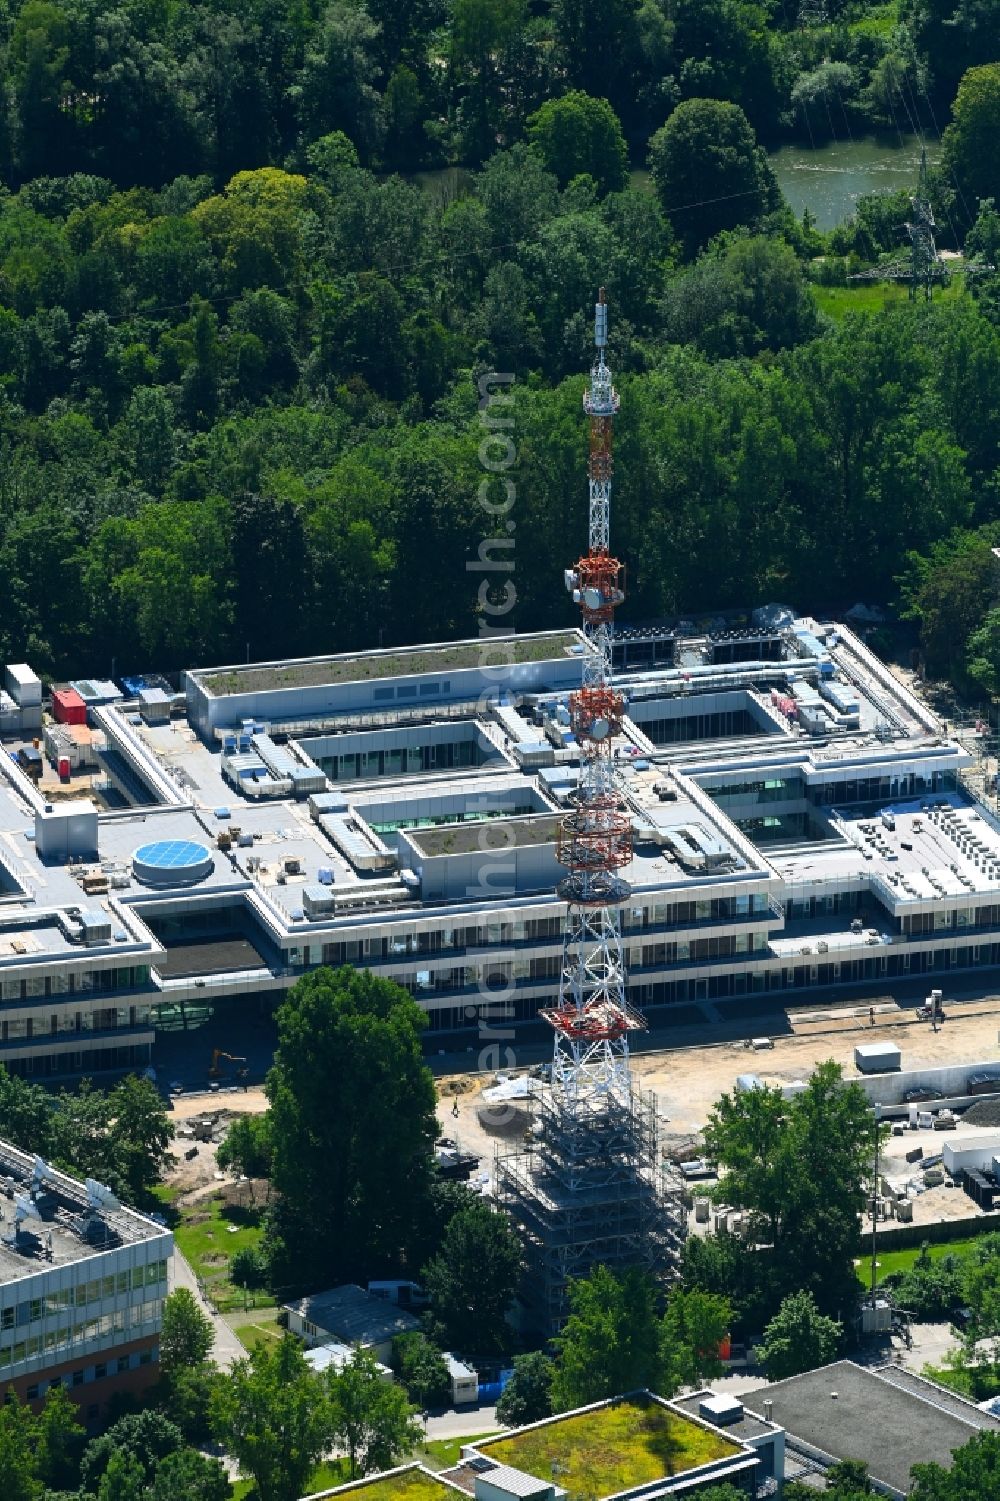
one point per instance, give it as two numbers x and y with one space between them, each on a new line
464 1381
154 705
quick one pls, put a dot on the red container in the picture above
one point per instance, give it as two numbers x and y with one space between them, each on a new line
68 707
63 768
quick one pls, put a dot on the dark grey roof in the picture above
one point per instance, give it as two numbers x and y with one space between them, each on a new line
871 1418
749 1426
354 1316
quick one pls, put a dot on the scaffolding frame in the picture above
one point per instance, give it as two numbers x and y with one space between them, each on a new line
589 1188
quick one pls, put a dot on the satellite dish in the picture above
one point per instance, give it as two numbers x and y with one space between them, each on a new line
42 1173
23 1207
593 598
600 729
99 1196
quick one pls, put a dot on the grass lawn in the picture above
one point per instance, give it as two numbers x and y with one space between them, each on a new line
332 1472
266 1332
859 297
208 1234
612 1449
869 296
975 1382
446 1451
890 1262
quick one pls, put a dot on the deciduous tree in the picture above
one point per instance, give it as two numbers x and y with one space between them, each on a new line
709 172
577 134
798 1338
472 1280
273 1414
527 1397
353 1178
371 1418
609 1344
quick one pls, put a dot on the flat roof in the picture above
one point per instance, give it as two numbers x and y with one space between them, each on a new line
871 1418
750 1426
613 1447
940 845
315 672
61 1227
487 834
354 1315
409 1483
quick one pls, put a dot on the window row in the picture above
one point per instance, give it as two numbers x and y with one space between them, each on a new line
121 1322
115 1284
66 982
99 1372
62 1024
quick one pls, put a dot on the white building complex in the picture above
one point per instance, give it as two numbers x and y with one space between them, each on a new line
798 822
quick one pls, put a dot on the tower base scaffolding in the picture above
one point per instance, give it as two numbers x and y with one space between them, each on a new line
590 1188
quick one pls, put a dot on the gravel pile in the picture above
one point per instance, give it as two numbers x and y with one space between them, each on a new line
982 1113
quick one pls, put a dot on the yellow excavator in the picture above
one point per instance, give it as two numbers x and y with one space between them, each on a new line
215 1071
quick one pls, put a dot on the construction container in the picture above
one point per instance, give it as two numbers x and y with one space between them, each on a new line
68 707
877 1058
970 1153
24 686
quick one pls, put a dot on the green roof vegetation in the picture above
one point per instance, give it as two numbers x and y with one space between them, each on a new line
411 1484
375 665
611 1449
499 834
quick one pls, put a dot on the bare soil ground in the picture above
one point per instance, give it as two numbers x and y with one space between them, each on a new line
687 1081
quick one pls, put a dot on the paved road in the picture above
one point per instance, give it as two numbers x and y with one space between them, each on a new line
463 1423
227 1347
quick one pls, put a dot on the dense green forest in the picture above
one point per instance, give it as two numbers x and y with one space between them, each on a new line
240 350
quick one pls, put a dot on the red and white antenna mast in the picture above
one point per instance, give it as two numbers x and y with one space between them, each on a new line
592 1019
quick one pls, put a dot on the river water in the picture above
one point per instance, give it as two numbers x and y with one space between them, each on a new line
827 180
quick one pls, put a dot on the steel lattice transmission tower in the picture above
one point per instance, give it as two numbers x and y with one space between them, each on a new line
925 265
592 1020
589 1188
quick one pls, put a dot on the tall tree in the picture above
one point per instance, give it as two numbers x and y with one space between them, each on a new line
693 1329
798 1338
273 1415
800 1168
186 1336
527 1397
968 156
472 1280
709 171
371 1418
353 1179
578 135
609 1344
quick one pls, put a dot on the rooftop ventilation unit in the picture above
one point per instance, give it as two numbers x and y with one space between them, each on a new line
721 1409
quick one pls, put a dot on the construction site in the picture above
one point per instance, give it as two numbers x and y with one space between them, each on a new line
690 830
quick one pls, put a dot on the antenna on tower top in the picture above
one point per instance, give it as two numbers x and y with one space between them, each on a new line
601 320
